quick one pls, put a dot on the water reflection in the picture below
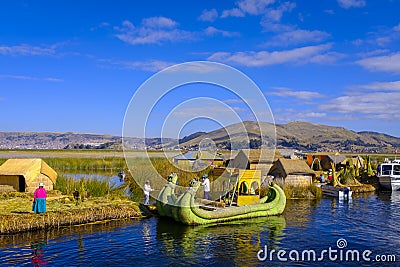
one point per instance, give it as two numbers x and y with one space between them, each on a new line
236 241
298 212
38 253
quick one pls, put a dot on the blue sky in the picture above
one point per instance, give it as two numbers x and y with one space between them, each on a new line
75 65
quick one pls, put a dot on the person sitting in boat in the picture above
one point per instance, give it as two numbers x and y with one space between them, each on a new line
206 184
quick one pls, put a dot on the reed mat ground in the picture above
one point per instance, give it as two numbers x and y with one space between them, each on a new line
16 211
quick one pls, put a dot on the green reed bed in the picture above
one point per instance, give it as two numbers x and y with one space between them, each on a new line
301 191
91 164
164 167
96 188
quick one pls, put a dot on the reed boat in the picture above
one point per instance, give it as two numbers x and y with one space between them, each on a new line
242 202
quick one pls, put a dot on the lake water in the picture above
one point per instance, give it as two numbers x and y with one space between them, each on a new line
369 224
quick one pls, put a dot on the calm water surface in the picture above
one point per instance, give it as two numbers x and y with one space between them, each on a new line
369 222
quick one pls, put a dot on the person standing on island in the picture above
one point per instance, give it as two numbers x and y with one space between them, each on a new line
39 199
322 178
206 184
147 189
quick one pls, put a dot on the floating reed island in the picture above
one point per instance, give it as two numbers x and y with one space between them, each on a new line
16 215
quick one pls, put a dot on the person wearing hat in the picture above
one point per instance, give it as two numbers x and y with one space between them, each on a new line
39 199
147 189
206 184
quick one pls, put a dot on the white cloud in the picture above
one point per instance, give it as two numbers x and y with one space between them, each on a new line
252 7
264 58
275 14
53 79
290 115
383 105
159 22
209 15
29 78
154 30
388 63
214 31
373 53
101 25
302 95
149 65
382 37
351 3
28 50
269 26
234 12
298 37
379 86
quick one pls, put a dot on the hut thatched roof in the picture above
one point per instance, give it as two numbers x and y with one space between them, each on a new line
294 166
29 168
261 155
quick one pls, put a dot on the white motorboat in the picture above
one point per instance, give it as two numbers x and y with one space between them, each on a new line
388 174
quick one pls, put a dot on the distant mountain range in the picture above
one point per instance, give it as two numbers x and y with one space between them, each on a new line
301 136
295 135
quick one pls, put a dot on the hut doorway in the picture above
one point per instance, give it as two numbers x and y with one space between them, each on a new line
21 183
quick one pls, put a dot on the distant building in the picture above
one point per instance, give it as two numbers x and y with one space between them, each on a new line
292 172
24 175
288 153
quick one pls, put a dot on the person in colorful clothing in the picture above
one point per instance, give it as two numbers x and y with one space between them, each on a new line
39 199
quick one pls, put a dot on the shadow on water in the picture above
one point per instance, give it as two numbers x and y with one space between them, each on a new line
237 241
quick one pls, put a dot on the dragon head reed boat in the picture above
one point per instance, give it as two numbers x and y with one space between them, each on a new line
241 200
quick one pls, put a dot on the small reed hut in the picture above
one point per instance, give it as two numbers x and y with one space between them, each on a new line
24 175
255 159
292 172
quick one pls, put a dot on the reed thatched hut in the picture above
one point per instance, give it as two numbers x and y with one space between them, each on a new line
24 175
255 159
292 171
